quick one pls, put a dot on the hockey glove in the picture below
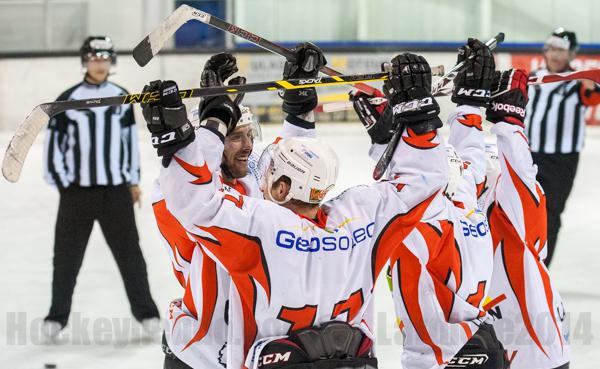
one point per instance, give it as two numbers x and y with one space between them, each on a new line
409 94
509 97
167 120
472 84
218 69
377 119
308 61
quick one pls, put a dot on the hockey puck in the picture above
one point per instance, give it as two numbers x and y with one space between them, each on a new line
49 366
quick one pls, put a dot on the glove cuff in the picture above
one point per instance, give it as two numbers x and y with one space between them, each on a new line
221 108
301 101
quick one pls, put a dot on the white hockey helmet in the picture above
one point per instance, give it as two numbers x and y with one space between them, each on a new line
248 118
310 164
456 167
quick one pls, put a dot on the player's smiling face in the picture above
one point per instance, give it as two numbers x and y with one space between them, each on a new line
238 146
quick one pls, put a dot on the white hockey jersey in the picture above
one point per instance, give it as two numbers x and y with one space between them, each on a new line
529 321
441 272
289 272
197 322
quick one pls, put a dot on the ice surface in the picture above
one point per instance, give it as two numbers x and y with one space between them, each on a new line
102 333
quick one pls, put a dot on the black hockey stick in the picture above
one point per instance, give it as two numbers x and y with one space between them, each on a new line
437 89
26 132
152 44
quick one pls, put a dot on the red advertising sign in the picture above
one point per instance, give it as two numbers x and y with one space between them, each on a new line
531 62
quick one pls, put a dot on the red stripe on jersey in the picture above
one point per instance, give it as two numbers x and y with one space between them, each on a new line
243 258
236 185
467 330
202 173
444 261
409 273
209 297
174 233
393 233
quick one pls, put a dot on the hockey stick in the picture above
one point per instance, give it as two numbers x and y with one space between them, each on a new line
437 89
590 74
152 44
26 132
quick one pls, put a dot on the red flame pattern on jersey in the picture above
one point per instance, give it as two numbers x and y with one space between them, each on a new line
243 257
209 298
175 235
396 229
471 120
422 141
202 173
513 248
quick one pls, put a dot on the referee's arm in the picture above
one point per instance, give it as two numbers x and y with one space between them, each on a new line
589 93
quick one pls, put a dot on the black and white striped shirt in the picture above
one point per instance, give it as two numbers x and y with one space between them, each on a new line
92 147
555 120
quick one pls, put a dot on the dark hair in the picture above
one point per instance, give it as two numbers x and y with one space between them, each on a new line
569 36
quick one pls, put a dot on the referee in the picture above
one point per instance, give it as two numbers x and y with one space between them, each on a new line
91 156
555 125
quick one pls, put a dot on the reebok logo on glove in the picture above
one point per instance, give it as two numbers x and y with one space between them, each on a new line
508 108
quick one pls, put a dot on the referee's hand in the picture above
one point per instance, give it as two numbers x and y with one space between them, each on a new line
136 195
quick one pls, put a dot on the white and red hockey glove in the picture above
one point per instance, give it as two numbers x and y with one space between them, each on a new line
509 97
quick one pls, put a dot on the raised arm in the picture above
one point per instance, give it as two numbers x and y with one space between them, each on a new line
517 191
471 93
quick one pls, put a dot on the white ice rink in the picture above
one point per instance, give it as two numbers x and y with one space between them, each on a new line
102 333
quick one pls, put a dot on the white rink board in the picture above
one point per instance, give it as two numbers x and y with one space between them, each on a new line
27 218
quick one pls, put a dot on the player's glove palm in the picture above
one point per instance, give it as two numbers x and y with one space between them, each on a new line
409 93
167 120
309 59
376 118
216 71
509 97
472 83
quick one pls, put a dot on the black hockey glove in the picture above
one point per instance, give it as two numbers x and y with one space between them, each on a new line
409 94
218 69
377 118
472 84
167 120
509 97
309 60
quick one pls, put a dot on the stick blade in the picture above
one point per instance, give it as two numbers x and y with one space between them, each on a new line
153 43
142 53
21 142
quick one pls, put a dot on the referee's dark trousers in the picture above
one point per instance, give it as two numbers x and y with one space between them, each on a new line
556 173
112 207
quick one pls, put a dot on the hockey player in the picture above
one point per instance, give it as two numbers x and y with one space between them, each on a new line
193 341
299 265
440 274
530 315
